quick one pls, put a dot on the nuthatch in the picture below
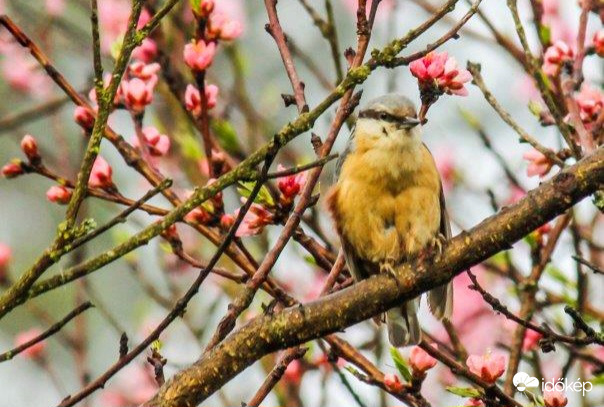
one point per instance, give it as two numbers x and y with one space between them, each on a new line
388 205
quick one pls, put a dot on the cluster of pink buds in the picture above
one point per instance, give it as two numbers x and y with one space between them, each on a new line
199 54
488 366
557 56
393 383
254 221
16 167
193 98
290 186
590 101
437 74
539 164
219 26
420 361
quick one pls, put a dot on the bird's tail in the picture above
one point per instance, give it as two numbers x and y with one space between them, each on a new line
403 325
440 301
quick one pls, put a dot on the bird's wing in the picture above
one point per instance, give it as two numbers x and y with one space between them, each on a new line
440 299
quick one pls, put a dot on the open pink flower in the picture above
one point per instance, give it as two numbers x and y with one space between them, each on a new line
393 383
420 361
556 56
158 144
34 351
599 42
453 79
590 101
137 93
58 194
554 398
193 98
538 163
100 176
488 366
290 185
199 55
223 27
254 221
144 71
430 67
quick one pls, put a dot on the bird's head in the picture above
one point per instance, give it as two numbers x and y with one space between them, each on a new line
389 121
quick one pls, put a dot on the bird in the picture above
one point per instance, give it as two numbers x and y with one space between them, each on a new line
388 205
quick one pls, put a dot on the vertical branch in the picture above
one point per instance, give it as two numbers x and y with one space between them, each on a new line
96 47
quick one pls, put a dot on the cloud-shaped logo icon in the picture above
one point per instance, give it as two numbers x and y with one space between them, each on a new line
523 380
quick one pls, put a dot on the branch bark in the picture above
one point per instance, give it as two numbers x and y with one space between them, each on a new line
296 325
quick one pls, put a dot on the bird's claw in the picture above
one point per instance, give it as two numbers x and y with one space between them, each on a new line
387 266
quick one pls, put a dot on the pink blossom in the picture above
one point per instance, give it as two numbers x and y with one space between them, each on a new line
531 340
393 383
113 19
146 52
550 7
599 42
12 170
290 185
55 7
58 194
29 146
222 27
22 74
5 256
100 176
539 164
199 55
193 98
144 71
157 144
254 221
294 372
488 366
34 351
474 402
420 361
554 398
590 101
84 117
439 72
204 8
556 56
226 221
137 94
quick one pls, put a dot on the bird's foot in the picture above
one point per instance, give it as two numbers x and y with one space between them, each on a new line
434 248
387 266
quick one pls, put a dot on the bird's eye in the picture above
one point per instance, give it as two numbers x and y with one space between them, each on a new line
383 116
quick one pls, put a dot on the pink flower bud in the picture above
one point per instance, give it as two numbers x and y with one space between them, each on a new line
226 221
291 185
146 52
539 163
437 72
293 373
198 55
34 351
158 144
420 361
222 27
590 101
5 256
144 71
12 169
254 221
393 383
599 42
137 93
100 176
531 338
204 8
193 98
84 117
556 56
488 366
554 398
58 194
29 145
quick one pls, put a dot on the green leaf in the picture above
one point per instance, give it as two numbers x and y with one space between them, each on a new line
535 108
464 391
598 380
400 363
264 196
226 134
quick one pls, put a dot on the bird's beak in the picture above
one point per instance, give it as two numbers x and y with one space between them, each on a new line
409 123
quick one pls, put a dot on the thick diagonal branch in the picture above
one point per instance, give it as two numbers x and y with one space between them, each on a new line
296 325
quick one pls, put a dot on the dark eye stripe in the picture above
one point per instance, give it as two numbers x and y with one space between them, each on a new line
377 115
